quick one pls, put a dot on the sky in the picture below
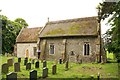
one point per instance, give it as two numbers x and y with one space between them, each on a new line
36 12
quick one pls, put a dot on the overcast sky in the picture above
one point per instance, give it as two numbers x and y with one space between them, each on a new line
36 12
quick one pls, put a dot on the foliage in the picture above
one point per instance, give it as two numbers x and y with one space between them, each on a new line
113 34
21 21
10 30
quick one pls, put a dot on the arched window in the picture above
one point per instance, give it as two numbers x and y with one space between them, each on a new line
51 49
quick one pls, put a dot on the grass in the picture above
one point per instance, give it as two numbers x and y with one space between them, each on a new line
107 70
110 55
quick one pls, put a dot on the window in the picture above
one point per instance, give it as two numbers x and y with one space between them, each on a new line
51 50
86 49
72 53
34 50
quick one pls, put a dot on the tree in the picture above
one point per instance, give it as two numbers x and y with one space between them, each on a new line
21 21
10 30
113 34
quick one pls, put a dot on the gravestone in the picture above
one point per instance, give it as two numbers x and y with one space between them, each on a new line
98 76
10 62
54 69
25 61
44 64
56 61
6 54
11 76
5 68
33 75
66 65
28 66
60 61
19 60
37 64
45 72
73 58
33 60
17 67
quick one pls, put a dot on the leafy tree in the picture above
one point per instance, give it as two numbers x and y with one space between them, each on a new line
113 34
21 21
10 30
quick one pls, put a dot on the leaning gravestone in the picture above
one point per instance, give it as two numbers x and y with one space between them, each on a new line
33 75
60 61
33 60
19 60
54 69
44 64
17 67
11 76
10 62
25 61
37 64
28 66
45 72
5 68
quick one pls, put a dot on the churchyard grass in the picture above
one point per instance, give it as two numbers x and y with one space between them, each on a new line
85 70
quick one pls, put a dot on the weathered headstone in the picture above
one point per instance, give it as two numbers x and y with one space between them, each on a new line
72 58
54 69
33 60
98 76
60 61
44 64
10 62
66 65
6 54
5 68
25 61
17 67
37 64
33 75
11 76
19 60
28 66
45 72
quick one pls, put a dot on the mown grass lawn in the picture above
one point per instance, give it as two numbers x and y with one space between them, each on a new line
85 70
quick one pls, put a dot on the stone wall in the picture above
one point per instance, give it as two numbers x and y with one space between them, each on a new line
22 47
74 44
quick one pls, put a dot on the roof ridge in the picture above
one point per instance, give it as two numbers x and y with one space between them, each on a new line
72 20
33 28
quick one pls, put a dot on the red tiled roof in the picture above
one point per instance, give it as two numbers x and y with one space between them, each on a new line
28 35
